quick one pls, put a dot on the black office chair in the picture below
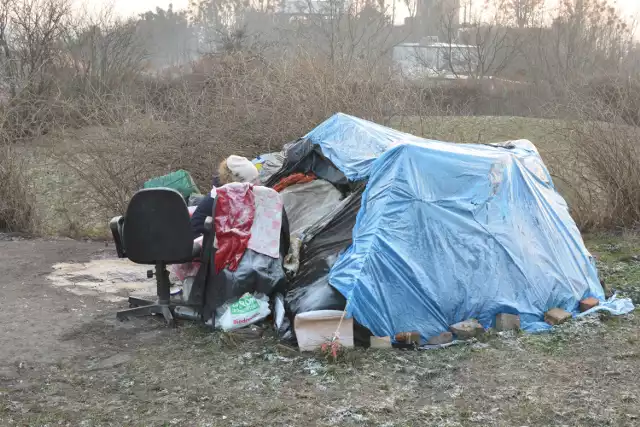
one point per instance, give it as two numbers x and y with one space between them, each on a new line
156 230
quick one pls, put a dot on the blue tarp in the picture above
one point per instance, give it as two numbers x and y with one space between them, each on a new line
353 144
448 232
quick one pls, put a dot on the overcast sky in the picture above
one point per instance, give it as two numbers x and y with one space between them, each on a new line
132 7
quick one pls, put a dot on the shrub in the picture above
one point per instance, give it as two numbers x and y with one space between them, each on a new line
17 210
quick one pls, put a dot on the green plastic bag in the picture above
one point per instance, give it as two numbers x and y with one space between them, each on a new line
180 181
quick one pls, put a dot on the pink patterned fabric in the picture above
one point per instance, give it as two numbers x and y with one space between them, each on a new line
267 223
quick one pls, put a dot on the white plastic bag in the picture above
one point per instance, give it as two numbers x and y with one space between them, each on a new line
249 309
278 308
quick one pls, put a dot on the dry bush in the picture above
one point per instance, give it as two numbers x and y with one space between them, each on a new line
233 104
600 170
257 105
114 162
17 212
616 94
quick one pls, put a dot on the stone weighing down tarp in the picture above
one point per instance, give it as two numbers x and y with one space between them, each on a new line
448 232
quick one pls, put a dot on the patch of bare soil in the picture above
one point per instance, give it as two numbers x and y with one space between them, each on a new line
65 367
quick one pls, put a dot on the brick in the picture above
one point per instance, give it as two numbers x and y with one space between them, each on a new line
380 342
507 322
556 316
467 329
588 304
408 337
443 338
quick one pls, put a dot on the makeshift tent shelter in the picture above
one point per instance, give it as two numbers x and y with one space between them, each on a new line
447 232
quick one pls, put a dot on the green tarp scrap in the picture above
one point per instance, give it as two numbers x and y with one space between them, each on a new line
180 181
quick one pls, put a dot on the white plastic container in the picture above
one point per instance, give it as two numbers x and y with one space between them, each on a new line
314 328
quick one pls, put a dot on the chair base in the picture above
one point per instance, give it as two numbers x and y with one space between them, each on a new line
143 307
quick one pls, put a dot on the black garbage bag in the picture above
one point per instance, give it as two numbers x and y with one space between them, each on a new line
256 273
322 244
316 294
333 233
302 156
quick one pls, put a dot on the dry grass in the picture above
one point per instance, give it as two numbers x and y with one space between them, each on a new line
17 211
192 378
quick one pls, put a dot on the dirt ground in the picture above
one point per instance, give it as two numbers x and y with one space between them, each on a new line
64 360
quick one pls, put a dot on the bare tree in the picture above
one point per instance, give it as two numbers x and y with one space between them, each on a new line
483 47
105 52
587 38
346 34
6 6
36 29
168 36
523 13
223 22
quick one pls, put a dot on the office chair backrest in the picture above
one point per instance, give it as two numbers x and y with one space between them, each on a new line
157 227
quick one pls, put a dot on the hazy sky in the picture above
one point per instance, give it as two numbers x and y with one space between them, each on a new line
132 7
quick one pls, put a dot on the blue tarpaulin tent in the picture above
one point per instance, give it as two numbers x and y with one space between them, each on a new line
448 232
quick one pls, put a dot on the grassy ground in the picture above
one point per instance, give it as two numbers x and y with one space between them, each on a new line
583 373
483 129
618 262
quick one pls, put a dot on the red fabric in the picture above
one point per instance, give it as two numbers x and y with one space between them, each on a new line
296 178
188 269
235 212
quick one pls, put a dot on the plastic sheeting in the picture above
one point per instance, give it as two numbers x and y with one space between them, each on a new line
448 232
614 306
256 273
271 163
180 181
306 203
303 156
323 242
353 144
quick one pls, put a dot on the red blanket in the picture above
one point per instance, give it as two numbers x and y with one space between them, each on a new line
234 215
